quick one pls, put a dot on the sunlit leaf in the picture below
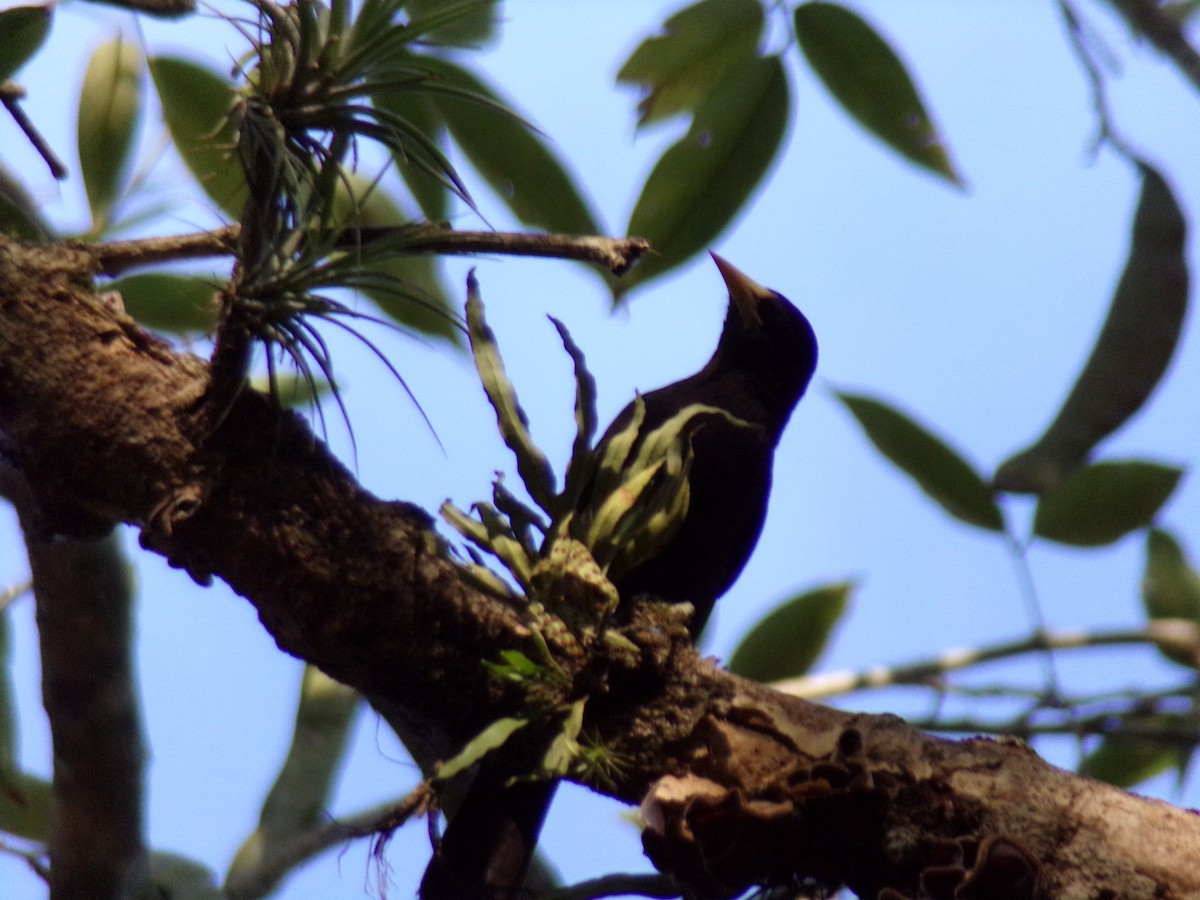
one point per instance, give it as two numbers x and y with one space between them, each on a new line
703 181
871 83
1103 502
23 29
482 744
788 640
938 469
179 304
110 105
699 45
196 104
1132 352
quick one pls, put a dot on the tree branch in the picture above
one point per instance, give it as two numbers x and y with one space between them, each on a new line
739 784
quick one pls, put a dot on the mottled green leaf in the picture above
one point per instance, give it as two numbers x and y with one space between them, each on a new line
580 468
1135 346
1103 502
700 44
179 304
939 470
23 29
703 181
788 640
110 105
1124 761
871 83
197 107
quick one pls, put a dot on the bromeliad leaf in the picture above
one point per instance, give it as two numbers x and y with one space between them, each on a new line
480 746
868 79
581 466
503 542
939 470
532 464
699 45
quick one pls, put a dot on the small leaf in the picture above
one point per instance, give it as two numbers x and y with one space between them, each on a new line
788 640
1170 586
181 878
563 752
1103 502
197 105
938 469
1124 761
23 30
25 803
110 105
700 44
482 744
179 304
532 465
1131 354
871 83
19 215
705 179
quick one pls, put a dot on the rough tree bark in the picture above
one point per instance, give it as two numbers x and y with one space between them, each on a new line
739 784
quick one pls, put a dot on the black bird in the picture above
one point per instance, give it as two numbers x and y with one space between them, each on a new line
762 365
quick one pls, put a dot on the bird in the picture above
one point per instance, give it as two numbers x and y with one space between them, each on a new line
764 360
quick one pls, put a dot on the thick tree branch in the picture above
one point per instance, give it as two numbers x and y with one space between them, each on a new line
740 783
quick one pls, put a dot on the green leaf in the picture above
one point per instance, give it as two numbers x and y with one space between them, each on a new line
110 105
179 304
705 179
418 109
1170 585
19 215
23 30
197 105
181 878
871 83
521 168
25 803
1100 503
1135 346
532 465
701 43
581 465
479 746
789 639
473 26
938 469
1124 761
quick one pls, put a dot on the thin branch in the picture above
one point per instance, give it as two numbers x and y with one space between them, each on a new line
1177 634
620 885
11 95
164 9
615 254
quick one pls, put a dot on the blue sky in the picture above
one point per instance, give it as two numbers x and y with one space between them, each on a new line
973 310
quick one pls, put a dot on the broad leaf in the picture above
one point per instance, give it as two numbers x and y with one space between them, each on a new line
1170 585
197 106
180 304
703 181
110 106
1131 354
1125 761
23 29
871 83
473 24
789 639
700 44
939 470
1103 502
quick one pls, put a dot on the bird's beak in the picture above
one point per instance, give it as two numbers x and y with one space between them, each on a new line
744 292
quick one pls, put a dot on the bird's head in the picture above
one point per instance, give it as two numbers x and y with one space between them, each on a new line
768 339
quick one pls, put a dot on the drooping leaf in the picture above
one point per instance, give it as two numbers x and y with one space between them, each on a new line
1170 585
1135 346
1124 761
703 181
869 80
196 104
788 640
939 470
579 468
1103 502
482 744
418 108
699 45
179 304
110 106
532 465
23 29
